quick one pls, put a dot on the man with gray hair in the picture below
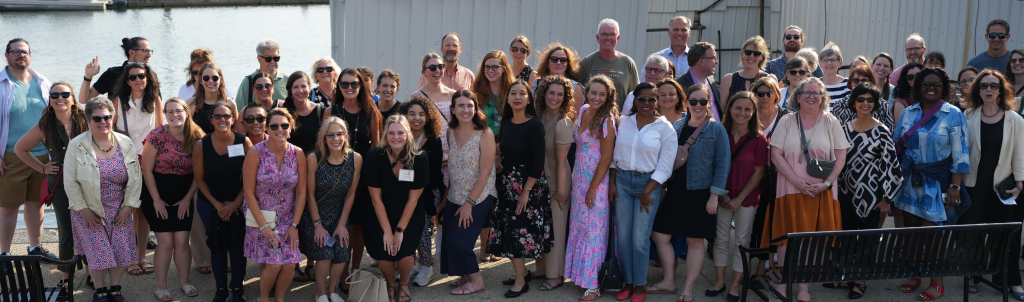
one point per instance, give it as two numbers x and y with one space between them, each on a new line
678 34
655 69
607 61
268 54
915 53
454 76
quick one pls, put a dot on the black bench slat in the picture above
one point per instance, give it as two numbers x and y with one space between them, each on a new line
22 280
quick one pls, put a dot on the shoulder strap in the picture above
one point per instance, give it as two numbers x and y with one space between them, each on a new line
124 116
924 118
693 137
738 149
803 139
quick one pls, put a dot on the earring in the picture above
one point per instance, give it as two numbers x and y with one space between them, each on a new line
49 109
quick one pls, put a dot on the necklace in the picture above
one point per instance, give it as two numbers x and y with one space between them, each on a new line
986 115
101 148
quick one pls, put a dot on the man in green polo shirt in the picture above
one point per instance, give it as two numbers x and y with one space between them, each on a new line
268 54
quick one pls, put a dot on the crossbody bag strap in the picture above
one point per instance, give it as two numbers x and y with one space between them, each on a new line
906 136
124 116
693 137
803 139
742 144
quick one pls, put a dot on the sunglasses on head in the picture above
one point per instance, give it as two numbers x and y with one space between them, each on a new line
703 102
347 85
324 69
334 134
251 119
57 95
207 78
141 76
434 67
523 50
869 100
792 37
104 118
797 72
263 86
221 116
752 53
983 86
646 100
764 94
281 125
268 59
999 36
555 59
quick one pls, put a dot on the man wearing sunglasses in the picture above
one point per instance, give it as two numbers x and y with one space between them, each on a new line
678 33
996 34
22 102
607 61
792 42
453 76
136 50
268 54
915 51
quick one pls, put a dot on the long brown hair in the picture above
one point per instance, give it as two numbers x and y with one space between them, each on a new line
289 101
49 124
479 120
607 110
568 108
199 98
482 86
754 124
972 99
189 129
363 98
150 94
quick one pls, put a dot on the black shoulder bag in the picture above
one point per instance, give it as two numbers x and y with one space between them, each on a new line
816 168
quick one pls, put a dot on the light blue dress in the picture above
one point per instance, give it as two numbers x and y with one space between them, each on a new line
941 137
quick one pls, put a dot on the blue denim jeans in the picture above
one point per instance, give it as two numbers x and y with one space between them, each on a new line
633 226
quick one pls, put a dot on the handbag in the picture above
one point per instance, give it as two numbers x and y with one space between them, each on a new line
269 216
1007 184
366 286
817 168
683 153
610 275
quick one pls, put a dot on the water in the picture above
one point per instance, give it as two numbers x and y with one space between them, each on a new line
63 42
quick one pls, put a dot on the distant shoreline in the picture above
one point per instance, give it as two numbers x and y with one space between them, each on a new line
204 3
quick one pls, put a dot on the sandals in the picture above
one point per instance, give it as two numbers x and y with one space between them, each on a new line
391 293
404 295
206 270
459 282
546 286
134 269
908 287
590 291
163 295
925 296
1019 295
835 285
299 275
189 290
853 294
147 267
466 288
685 298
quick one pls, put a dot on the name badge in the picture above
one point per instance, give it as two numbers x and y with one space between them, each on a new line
405 175
236 150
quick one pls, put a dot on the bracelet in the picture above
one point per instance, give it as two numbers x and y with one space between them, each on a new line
294 225
471 202
264 226
87 79
316 222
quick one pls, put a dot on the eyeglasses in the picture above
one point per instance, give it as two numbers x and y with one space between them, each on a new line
914 49
646 100
764 94
932 85
174 112
911 77
983 86
712 58
555 59
223 116
347 85
281 125
653 70
523 50
20 52
104 118
263 86
207 78
334 134
966 81
869 100
693 102
434 67
324 69
141 76
796 72
752 53
250 120
268 59
608 35
792 37
857 81
147 51
830 60
811 94
57 95
492 67
194 72
1016 61
994 36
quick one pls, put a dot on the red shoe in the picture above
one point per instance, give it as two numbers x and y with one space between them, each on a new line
623 295
638 297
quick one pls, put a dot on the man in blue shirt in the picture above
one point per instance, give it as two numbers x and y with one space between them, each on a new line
792 42
21 105
997 34
678 33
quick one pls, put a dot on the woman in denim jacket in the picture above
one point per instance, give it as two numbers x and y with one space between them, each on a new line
691 203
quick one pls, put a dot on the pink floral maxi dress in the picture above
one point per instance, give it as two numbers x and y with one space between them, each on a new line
111 244
588 228
275 191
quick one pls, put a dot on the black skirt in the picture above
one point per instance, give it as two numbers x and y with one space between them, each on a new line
683 212
173 188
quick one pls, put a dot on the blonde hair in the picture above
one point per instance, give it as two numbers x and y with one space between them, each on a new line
190 130
761 45
330 61
410 150
321 150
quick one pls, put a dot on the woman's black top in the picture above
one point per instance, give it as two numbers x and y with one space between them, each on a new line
223 172
202 118
306 129
358 128
523 144
389 112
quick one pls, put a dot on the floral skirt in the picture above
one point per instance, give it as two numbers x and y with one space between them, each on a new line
529 234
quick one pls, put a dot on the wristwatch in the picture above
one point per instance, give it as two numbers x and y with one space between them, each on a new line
955 187
295 225
399 230
828 184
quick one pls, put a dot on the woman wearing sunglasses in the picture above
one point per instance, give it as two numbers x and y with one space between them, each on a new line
308 115
168 192
520 50
263 89
138 110
432 69
1015 73
103 181
830 59
902 94
217 163
211 82
254 117
845 114
325 75
752 61
199 57
61 122
274 182
558 59
795 71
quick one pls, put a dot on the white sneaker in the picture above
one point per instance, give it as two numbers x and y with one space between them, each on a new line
424 276
323 299
336 298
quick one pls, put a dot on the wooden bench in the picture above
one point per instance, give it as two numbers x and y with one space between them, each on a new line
21 279
842 256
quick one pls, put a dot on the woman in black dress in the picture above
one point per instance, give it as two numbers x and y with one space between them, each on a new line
167 196
209 90
396 172
521 221
217 164
425 127
332 179
353 103
308 115
387 88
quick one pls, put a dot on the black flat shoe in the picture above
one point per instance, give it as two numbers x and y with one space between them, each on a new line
221 295
512 280
714 293
88 281
512 294
238 295
731 297
115 294
100 295
855 295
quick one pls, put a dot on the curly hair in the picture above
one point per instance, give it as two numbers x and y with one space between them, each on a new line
1005 101
571 69
433 126
905 88
568 108
608 110
680 94
942 76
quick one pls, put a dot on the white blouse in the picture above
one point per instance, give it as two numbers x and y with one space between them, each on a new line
139 123
650 149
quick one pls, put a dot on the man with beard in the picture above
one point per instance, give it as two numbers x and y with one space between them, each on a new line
792 41
136 49
997 34
915 51
21 105
455 76
608 61
268 54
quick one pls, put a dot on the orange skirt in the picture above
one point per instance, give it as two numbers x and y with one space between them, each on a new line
796 213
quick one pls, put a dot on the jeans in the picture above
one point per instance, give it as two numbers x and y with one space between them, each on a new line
219 261
633 226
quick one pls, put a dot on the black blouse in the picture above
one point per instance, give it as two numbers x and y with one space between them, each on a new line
358 128
307 128
377 173
523 144
223 172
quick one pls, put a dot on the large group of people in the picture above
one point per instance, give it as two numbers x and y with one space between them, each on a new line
572 163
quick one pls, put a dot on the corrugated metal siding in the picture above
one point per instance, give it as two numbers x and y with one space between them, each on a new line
393 34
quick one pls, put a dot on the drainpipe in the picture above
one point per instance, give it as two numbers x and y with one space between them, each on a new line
968 33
